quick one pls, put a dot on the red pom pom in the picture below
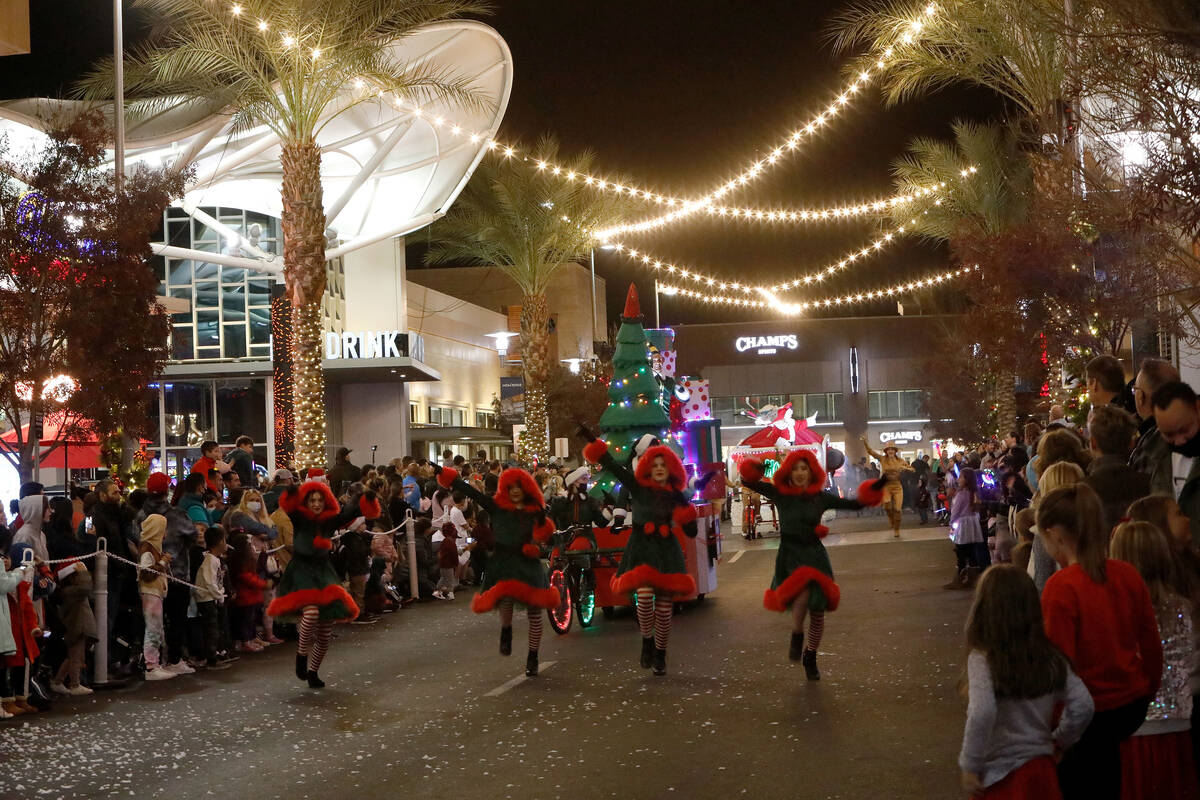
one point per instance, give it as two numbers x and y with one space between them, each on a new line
594 451
868 495
648 527
682 515
321 543
750 469
821 531
531 550
446 477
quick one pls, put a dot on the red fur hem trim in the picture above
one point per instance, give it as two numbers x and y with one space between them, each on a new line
531 550
781 597
868 495
322 543
447 476
782 477
370 508
750 470
544 531
516 590
679 584
594 451
822 531
293 603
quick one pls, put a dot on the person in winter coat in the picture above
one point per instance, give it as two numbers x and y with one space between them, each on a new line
11 576
447 562
652 566
515 572
310 588
248 595
26 633
79 626
179 540
577 507
970 545
803 579
153 566
33 516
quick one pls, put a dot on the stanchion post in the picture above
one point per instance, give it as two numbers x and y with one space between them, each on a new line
100 598
414 585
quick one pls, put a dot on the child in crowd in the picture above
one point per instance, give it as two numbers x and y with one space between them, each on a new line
26 633
1099 613
1016 679
1157 760
447 562
970 545
1023 521
210 594
79 626
153 565
248 595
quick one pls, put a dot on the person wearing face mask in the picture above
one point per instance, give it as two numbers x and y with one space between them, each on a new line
803 580
1175 471
576 507
250 515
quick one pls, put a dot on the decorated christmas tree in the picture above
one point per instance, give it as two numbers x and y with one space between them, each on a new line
634 396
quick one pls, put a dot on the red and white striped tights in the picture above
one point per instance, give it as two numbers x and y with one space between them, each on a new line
314 637
654 616
535 622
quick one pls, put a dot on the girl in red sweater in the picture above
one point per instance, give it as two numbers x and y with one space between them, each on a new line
248 598
1098 612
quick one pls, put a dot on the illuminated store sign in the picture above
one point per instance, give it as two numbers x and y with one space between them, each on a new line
900 437
364 344
766 345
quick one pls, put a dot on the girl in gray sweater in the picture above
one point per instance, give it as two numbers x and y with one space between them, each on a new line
1015 679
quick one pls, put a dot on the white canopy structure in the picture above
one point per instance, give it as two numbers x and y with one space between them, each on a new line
386 171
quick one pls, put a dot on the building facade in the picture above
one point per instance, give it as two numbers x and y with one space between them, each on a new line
859 376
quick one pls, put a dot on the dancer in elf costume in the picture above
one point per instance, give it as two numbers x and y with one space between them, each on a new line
310 588
803 578
652 566
515 572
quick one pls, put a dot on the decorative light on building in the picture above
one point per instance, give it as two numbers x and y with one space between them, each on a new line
502 338
59 388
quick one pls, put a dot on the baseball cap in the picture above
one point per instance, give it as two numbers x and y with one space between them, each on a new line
158 483
283 475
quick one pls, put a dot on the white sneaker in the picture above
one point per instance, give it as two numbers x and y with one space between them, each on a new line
59 688
179 668
79 690
449 595
4 714
439 595
159 674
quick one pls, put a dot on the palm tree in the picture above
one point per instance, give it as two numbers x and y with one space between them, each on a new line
1012 47
528 223
988 176
291 66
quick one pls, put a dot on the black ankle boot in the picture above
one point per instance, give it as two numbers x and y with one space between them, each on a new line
314 682
301 666
531 664
660 662
810 665
506 641
796 648
647 652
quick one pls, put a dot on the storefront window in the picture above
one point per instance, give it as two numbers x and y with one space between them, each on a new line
484 419
905 404
826 405
241 410
189 413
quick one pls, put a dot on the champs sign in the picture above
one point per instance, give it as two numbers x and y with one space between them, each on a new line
766 345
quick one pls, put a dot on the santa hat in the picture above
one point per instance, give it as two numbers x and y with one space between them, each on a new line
583 473
316 474
645 443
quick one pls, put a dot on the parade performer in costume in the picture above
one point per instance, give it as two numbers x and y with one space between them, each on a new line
515 572
577 507
890 467
803 575
652 566
310 589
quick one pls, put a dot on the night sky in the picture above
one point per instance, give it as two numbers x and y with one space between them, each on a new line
675 95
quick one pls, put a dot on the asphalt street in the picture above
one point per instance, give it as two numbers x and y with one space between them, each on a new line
421 705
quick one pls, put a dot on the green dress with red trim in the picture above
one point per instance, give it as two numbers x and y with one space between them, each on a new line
515 570
309 578
802 561
653 557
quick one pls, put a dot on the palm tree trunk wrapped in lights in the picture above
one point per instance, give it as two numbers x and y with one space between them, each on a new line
291 66
527 223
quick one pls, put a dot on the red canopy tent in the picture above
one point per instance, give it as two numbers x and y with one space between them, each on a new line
80 452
